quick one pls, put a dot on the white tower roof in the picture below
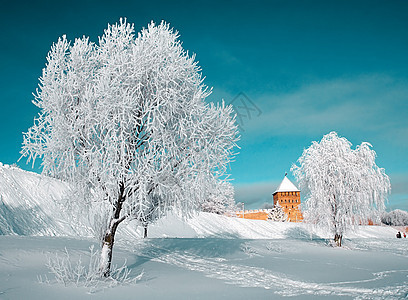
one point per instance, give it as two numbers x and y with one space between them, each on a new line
287 186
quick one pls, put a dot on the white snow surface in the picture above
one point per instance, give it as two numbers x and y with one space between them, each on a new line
207 256
31 204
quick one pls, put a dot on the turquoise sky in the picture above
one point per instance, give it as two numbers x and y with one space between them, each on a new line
305 68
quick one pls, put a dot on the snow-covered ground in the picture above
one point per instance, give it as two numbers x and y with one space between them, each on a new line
30 204
217 268
207 256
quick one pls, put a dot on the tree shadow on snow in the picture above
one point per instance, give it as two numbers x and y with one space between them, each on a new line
200 247
23 221
299 233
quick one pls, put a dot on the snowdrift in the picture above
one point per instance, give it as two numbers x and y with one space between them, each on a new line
211 225
31 204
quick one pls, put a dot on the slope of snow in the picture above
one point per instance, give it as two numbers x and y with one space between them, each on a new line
206 256
211 225
31 204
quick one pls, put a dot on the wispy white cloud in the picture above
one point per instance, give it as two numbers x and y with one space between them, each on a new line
374 103
255 194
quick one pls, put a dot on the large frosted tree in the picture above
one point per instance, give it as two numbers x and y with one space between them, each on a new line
343 186
126 123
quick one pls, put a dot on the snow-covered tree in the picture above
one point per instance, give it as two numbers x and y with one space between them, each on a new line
396 217
126 123
343 186
277 214
220 199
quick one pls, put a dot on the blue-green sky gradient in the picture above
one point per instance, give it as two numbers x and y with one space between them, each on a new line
310 67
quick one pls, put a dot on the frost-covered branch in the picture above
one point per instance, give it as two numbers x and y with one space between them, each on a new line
343 186
126 123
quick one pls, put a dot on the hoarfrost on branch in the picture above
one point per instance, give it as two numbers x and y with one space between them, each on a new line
126 123
343 186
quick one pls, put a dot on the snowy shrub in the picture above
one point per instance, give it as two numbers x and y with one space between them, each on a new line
220 199
277 214
248 250
395 218
273 247
77 273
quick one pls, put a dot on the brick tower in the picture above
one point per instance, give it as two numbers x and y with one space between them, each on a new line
288 196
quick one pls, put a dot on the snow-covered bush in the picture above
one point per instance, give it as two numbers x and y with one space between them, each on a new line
248 250
396 217
220 199
277 214
343 186
126 123
69 273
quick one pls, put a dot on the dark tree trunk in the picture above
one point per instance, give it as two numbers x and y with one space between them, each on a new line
145 231
337 239
109 237
107 246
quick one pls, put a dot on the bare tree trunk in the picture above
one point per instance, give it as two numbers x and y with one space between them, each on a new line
107 247
106 255
337 239
109 237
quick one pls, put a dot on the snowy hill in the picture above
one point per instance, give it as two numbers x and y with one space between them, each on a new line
30 204
212 225
207 256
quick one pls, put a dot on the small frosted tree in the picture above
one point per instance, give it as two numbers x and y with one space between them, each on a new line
126 123
277 214
396 217
343 186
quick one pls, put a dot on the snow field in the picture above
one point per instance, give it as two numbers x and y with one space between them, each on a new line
217 268
206 257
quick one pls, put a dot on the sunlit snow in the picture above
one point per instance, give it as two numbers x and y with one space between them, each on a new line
207 256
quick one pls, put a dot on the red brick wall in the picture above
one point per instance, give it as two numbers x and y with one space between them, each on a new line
290 202
257 215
